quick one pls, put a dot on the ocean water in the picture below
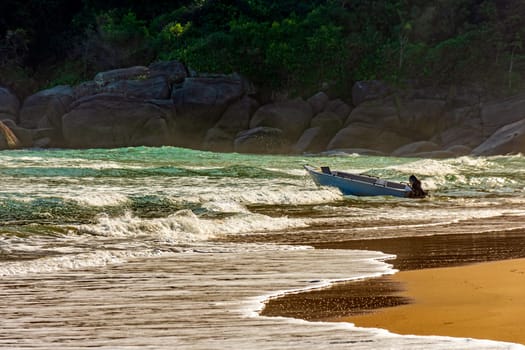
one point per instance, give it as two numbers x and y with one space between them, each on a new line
168 248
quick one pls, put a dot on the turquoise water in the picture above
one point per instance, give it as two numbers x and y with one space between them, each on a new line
159 217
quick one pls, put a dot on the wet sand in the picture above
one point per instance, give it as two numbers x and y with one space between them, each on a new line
484 301
429 265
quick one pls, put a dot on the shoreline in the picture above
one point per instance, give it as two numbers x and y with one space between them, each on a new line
482 301
418 256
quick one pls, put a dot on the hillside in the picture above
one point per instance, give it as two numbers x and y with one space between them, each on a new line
290 47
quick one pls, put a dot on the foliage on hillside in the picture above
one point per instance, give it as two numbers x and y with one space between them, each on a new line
293 46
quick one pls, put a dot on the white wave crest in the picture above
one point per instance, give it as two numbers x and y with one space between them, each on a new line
184 226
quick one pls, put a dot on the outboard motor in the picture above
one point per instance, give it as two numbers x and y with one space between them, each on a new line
415 185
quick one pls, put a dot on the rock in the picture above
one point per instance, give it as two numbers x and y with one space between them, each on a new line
464 128
369 90
415 147
291 116
131 73
495 115
87 88
261 140
237 116
358 135
46 108
318 102
152 88
200 103
107 120
509 139
327 121
312 140
339 107
9 104
173 71
372 112
218 140
323 127
422 119
415 119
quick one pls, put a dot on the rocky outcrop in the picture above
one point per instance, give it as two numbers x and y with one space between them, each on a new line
261 139
509 139
163 104
235 119
292 117
108 120
200 103
46 108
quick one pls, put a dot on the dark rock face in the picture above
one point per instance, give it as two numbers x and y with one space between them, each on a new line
200 102
131 73
151 88
235 119
359 135
509 139
173 71
107 120
163 105
318 102
292 117
261 140
46 108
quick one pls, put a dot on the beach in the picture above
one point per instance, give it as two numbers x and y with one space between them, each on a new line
172 248
483 301
445 287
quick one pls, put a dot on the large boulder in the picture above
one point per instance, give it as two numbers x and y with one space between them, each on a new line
235 119
416 119
200 103
422 119
46 108
323 127
9 104
108 120
290 116
261 140
328 121
497 114
237 116
313 139
464 128
318 102
358 135
218 140
130 73
173 71
150 88
509 139
339 107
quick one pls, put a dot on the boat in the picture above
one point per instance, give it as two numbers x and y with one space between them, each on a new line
364 185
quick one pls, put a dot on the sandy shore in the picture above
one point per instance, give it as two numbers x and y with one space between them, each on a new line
484 301
446 286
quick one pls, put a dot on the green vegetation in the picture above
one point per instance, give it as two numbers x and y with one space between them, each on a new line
297 47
